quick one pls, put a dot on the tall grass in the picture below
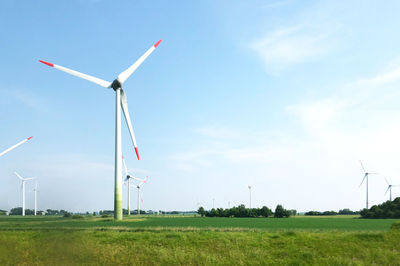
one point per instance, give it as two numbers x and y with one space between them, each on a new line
174 247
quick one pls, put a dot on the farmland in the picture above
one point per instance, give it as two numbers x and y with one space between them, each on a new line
195 240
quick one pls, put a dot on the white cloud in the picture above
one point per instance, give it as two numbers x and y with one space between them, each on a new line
292 45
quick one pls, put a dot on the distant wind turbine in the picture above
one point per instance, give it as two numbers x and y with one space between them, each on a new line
121 101
390 188
15 146
139 186
23 190
127 180
250 197
366 174
35 190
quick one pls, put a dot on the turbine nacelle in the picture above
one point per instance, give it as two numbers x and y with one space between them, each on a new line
116 84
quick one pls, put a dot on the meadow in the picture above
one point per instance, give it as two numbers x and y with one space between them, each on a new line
151 240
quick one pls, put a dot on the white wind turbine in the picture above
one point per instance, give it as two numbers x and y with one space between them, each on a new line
35 190
16 145
366 174
390 188
139 186
121 101
23 190
127 180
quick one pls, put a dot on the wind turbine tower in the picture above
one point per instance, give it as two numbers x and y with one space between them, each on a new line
120 101
366 175
23 190
35 190
250 197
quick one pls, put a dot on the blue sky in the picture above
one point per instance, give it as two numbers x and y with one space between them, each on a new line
285 96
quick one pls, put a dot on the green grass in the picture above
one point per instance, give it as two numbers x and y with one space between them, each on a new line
194 241
271 224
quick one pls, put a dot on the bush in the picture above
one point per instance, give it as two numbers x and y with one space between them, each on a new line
77 216
105 216
67 214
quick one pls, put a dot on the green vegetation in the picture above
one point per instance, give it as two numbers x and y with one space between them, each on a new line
388 209
242 211
303 223
149 240
330 213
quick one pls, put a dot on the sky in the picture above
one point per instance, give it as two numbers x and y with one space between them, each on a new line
284 96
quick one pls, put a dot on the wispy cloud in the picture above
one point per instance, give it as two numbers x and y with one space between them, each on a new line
26 98
288 46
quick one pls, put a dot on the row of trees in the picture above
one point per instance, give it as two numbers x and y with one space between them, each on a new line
327 213
242 211
388 209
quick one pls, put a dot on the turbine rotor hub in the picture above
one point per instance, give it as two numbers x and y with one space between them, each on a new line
116 85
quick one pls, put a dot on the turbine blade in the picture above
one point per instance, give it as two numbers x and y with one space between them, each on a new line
98 81
128 72
125 168
387 190
20 177
124 105
363 180
138 179
363 167
15 146
387 181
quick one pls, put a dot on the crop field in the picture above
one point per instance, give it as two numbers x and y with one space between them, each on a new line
194 240
340 223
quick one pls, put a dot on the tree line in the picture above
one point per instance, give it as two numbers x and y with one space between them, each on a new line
388 209
327 213
242 211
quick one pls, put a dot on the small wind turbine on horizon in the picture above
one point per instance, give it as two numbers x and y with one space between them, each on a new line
15 146
127 180
121 101
139 186
249 197
390 188
366 174
23 190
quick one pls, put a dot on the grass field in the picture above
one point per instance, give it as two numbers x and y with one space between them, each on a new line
189 240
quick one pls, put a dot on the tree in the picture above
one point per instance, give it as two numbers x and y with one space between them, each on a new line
265 211
16 211
280 212
201 211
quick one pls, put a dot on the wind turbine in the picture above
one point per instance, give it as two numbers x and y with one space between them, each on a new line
390 188
23 190
366 174
121 101
128 178
141 182
16 145
250 197
35 190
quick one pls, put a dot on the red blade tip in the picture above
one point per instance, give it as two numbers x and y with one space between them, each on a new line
30 137
137 153
155 45
46 63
